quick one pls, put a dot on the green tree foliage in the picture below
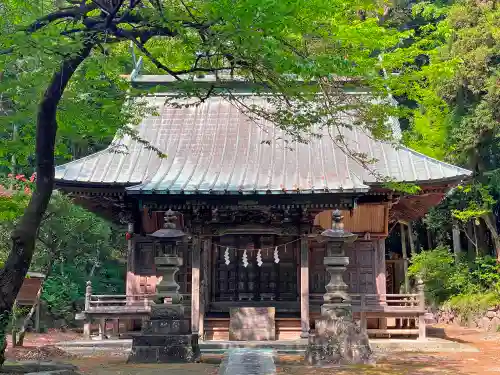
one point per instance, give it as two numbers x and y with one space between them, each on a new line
448 75
74 246
457 282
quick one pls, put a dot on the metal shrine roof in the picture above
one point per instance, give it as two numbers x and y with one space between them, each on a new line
214 148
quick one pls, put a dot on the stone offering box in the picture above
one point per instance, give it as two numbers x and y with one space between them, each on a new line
252 324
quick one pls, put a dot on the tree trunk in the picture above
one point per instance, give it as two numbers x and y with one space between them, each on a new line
482 238
471 246
411 239
490 221
430 244
24 235
457 247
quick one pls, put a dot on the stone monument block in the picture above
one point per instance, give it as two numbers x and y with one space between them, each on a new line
252 324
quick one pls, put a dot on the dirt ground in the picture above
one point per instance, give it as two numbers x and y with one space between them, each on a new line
486 361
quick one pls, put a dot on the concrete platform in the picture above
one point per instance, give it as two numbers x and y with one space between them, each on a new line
379 346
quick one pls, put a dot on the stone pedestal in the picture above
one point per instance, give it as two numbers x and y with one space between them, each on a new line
337 339
165 337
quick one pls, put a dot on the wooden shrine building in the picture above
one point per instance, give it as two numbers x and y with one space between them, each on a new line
251 210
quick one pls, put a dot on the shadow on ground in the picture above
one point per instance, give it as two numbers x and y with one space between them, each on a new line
118 366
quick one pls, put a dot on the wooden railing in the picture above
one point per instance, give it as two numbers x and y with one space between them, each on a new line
380 302
403 307
115 307
102 303
122 303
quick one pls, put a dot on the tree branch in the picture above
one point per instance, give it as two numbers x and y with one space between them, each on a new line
6 51
160 65
189 11
74 13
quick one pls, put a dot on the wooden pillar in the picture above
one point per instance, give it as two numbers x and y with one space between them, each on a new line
405 257
86 329
380 267
411 239
102 328
37 317
88 321
130 247
304 287
195 286
422 330
116 328
381 281
204 284
362 314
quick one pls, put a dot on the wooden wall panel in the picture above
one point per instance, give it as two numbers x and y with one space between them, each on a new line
143 279
360 275
371 218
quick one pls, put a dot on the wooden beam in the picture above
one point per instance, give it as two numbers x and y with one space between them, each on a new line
195 286
304 287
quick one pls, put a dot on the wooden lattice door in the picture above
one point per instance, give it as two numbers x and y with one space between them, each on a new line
270 281
360 275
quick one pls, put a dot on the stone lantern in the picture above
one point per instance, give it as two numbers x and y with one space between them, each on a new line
337 339
166 337
167 261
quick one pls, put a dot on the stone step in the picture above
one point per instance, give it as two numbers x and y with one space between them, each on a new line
280 347
276 345
242 361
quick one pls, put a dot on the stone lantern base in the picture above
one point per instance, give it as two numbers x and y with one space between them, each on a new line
338 340
165 338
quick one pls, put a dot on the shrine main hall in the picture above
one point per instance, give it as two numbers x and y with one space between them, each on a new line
251 207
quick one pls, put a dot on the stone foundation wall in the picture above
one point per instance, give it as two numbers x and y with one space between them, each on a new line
489 321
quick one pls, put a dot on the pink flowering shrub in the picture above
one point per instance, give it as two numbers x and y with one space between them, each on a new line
17 184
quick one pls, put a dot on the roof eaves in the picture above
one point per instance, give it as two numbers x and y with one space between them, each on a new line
465 172
133 190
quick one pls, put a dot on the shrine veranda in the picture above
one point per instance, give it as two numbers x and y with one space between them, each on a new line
252 212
